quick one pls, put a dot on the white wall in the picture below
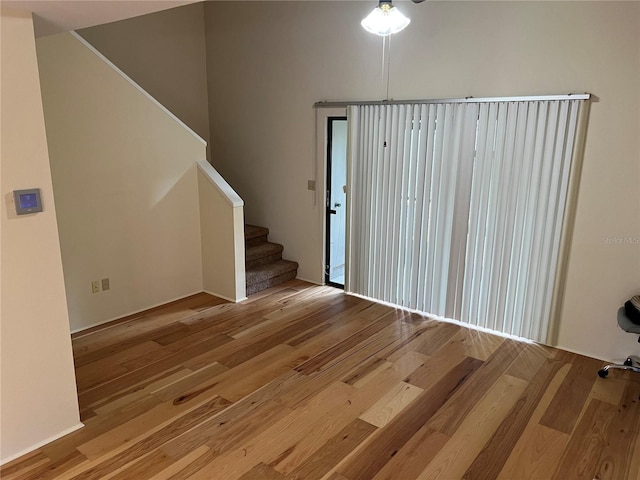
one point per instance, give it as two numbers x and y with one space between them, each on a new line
268 62
125 180
163 52
38 399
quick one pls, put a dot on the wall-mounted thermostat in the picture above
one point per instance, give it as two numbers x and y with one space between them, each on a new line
27 201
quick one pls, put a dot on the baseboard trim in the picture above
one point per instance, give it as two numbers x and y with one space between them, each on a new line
42 443
578 352
225 297
314 282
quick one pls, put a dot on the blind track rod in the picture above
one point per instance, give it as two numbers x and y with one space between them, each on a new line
570 96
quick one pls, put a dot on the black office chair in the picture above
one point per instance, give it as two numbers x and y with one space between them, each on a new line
629 364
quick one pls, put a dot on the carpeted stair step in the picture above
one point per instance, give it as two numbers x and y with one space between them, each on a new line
269 275
254 235
263 261
263 253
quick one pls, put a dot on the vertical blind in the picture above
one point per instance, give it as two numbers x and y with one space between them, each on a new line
456 209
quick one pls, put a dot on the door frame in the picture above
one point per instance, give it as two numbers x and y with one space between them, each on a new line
327 207
322 114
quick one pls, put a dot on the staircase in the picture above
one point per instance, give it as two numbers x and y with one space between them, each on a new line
263 261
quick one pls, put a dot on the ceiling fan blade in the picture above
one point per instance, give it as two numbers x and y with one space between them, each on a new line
417 1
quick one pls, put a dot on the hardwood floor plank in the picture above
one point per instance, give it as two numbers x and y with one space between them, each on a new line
342 326
319 361
172 470
386 373
337 476
398 432
208 325
284 384
363 371
438 335
155 440
341 366
242 430
532 458
129 431
414 456
54 469
239 382
429 337
581 457
299 287
160 367
574 391
439 364
153 463
464 445
174 390
179 350
310 334
306 304
290 442
491 459
112 338
245 418
226 431
182 303
262 472
97 426
529 361
480 345
275 444
23 465
622 435
241 355
449 418
94 352
391 404
188 470
245 317
610 389
324 428
91 374
270 334
634 467
337 320
145 389
146 422
332 452
540 452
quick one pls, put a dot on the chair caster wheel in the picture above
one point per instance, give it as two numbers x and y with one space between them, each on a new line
603 373
628 362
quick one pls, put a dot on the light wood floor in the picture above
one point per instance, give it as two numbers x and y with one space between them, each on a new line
304 382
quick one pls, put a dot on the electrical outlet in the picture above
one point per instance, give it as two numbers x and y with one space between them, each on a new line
95 286
311 185
105 284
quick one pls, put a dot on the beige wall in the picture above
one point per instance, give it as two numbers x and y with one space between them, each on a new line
38 399
268 62
125 180
164 52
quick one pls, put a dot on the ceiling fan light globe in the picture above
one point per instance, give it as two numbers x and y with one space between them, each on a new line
385 21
